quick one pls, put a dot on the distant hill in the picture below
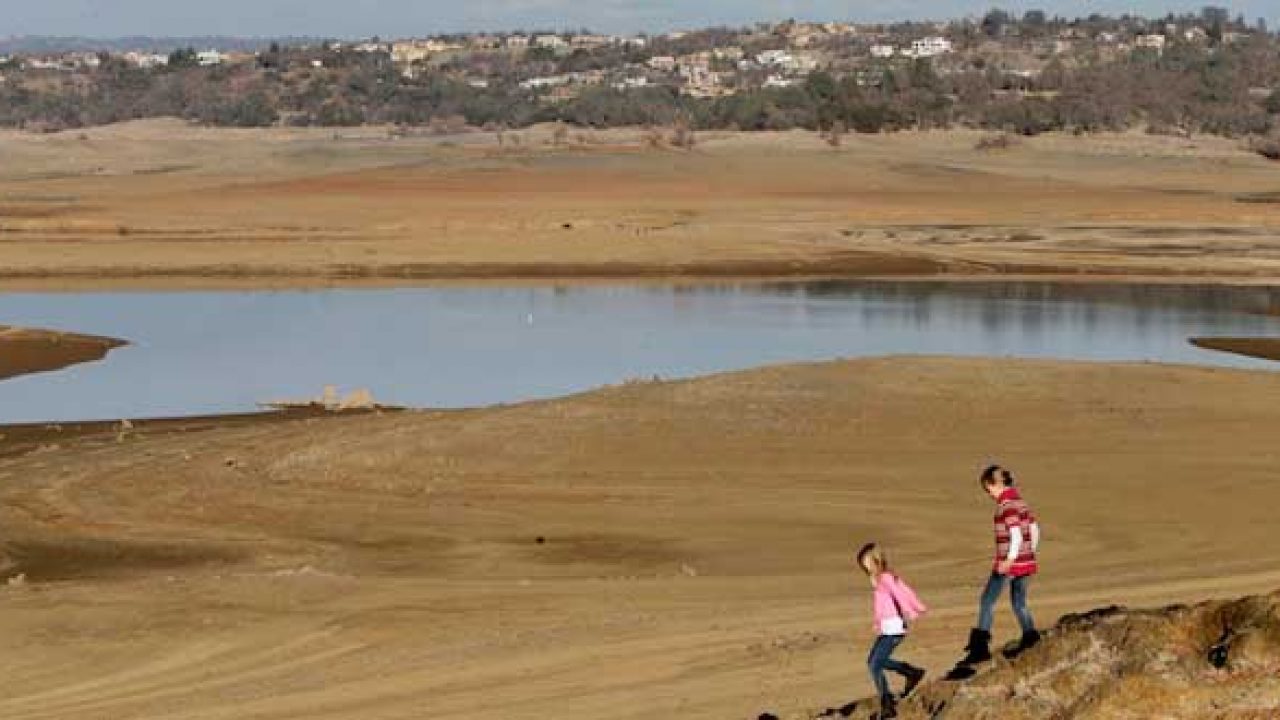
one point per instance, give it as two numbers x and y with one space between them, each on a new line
46 44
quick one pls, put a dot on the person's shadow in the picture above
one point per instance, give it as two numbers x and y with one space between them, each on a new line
961 672
844 711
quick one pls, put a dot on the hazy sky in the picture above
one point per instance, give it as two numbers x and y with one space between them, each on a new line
390 18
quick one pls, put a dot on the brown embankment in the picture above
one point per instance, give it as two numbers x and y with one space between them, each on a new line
274 207
24 351
1258 347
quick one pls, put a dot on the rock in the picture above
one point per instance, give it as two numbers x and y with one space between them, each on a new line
1213 660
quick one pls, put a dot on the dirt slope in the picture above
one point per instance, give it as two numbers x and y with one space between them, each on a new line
696 540
1212 660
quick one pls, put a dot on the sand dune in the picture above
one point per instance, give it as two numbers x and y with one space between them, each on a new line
671 549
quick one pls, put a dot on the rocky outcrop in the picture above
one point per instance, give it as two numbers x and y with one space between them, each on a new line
1213 660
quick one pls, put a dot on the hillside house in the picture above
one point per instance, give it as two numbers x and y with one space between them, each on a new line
1151 42
552 42
484 42
210 58
408 53
663 63
591 42
629 83
146 61
929 47
883 51
774 57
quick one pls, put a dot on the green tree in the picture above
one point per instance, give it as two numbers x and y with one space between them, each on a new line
183 58
1272 103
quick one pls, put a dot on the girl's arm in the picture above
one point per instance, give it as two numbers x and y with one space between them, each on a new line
1035 537
909 600
1015 543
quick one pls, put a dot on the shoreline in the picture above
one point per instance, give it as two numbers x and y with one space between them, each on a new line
19 439
603 274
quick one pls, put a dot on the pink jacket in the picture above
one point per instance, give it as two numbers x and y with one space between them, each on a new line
890 615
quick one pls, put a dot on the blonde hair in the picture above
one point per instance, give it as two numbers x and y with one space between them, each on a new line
874 553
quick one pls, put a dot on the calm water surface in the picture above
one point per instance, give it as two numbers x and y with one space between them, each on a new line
196 353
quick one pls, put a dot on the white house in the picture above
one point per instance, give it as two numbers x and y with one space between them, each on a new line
591 42
883 51
774 81
801 64
209 58
86 60
551 42
774 57
407 53
930 47
631 82
664 63
546 82
517 42
1151 42
44 64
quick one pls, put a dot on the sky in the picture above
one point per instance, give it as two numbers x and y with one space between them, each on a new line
402 18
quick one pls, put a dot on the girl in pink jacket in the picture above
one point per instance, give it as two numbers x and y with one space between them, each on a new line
894 605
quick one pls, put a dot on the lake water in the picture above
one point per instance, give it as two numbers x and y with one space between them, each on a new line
214 352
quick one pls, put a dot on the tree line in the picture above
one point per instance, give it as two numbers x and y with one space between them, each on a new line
1182 90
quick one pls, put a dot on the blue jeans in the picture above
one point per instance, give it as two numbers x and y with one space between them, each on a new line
881 659
1017 595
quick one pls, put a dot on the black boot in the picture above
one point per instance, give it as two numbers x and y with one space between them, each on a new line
888 708
979 648
914 675
1030 639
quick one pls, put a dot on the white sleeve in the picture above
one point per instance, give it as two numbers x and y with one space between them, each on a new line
1035 537
1015 543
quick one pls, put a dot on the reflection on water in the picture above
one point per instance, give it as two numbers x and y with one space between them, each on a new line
454 346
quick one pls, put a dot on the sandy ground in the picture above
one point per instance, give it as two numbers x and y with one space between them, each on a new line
162 203
24 350
695 540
